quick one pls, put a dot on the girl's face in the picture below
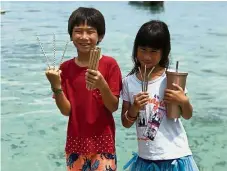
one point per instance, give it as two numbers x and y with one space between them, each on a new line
148 56
85 37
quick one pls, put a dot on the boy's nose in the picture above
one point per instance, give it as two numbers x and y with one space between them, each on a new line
84 35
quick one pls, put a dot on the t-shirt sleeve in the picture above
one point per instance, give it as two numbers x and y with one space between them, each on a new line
186 91
115 80
125 91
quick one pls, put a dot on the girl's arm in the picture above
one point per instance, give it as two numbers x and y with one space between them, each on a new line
128 114
178 97
186 108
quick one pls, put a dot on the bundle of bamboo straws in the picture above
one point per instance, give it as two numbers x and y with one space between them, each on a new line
95 54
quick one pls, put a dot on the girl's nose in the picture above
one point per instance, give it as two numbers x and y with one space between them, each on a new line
147 55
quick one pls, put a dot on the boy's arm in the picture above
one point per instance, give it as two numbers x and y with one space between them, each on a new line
110 101
56 80
62 102
109 89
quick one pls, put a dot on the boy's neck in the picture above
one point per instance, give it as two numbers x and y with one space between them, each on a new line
82 59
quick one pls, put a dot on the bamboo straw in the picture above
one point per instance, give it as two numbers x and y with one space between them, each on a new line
93 61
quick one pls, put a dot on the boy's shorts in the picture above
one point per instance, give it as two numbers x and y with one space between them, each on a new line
93 162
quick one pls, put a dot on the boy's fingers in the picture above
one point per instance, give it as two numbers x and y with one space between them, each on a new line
93 72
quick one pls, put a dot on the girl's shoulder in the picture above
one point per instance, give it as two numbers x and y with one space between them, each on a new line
129 79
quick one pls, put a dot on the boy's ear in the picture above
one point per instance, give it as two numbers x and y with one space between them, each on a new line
100 38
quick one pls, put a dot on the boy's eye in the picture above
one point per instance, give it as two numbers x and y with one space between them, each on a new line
77 31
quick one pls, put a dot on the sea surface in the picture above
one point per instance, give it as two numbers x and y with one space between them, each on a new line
32 129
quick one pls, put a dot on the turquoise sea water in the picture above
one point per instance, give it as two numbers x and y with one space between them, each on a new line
33 130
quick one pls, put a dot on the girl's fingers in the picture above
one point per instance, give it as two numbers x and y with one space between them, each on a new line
169 91
167 101
143 102
168 95
177 86
167 98
142 96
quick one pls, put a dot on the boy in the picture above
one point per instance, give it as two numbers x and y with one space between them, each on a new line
90 140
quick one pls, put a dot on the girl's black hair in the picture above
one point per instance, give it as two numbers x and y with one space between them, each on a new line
93 17
153 34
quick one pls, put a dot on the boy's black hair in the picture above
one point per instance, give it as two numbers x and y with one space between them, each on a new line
93 17
153 34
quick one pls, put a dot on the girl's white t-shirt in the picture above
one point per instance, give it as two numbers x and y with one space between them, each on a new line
170 140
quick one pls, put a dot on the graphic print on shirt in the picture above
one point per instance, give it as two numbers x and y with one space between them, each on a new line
142 118
155 114
153 124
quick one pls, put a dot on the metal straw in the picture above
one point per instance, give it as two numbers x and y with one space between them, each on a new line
148 76
40 44
177 64
144 77
64 52
54 49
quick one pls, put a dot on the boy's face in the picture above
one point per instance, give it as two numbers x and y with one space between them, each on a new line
84 37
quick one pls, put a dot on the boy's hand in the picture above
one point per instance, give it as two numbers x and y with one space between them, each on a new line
175 96
94 79
140 100
53 76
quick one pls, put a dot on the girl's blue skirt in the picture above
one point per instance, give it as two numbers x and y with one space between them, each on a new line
181 164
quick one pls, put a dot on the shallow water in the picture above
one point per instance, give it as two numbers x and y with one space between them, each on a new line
33 131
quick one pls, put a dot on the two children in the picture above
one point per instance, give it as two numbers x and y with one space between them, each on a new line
90 143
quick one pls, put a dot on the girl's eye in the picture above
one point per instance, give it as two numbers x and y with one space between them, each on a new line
142 49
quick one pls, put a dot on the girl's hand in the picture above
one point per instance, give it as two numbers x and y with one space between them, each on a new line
140 100
175 96
53 76
94 79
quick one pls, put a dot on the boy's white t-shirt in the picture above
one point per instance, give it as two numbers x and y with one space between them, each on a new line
170 141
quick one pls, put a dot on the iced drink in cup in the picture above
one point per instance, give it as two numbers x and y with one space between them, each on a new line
179 78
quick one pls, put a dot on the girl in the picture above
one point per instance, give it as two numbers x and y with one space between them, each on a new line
162 142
